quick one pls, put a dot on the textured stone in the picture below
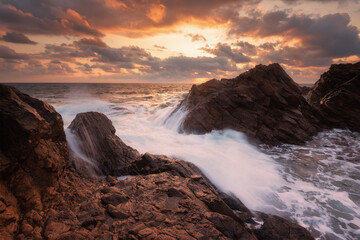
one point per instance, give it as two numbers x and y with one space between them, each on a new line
264 103
337 95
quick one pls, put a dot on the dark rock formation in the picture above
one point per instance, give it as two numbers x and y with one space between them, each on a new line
264 103
305 90
33 156
337 95
100 144
43 197
275 228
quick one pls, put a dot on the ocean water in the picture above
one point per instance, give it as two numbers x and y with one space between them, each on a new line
317 184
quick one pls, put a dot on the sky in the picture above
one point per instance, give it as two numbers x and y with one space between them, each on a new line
177 41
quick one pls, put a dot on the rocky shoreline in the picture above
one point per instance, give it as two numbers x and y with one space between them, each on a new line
49 191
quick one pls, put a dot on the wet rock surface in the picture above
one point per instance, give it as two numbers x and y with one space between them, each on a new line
337 95
264 103
43 196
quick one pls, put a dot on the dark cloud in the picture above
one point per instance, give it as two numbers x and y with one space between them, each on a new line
125 54
295 56
247 48
196 37
269 46
318 39
9 54
58 68
16 16
15 37
91 42
66 52
224 50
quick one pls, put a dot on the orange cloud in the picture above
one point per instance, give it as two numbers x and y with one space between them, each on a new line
156 13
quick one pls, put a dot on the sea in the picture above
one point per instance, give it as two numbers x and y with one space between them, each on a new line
316 184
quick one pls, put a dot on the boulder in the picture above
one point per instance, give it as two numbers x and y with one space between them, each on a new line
264 103
105 152
337 95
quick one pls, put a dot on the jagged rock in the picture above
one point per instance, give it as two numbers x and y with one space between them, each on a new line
337 95
33 155
100 144
264 103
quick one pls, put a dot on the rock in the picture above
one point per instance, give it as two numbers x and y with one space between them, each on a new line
275 228
337 95
187 202
305 90
33 155
100 144
264 103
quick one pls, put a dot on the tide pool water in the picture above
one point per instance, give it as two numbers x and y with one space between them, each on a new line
317 184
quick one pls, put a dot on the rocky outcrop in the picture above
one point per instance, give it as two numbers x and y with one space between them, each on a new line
105 152
42 196
33 156
264 103
337 95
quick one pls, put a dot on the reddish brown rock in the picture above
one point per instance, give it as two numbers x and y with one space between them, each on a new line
264 103
337 95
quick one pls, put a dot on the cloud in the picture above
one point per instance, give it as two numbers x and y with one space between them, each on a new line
86 56
247 48
15 37
156 13
91 42
92 17
295 56
196 37
224 50
9 54
305 40
53 21
159 48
